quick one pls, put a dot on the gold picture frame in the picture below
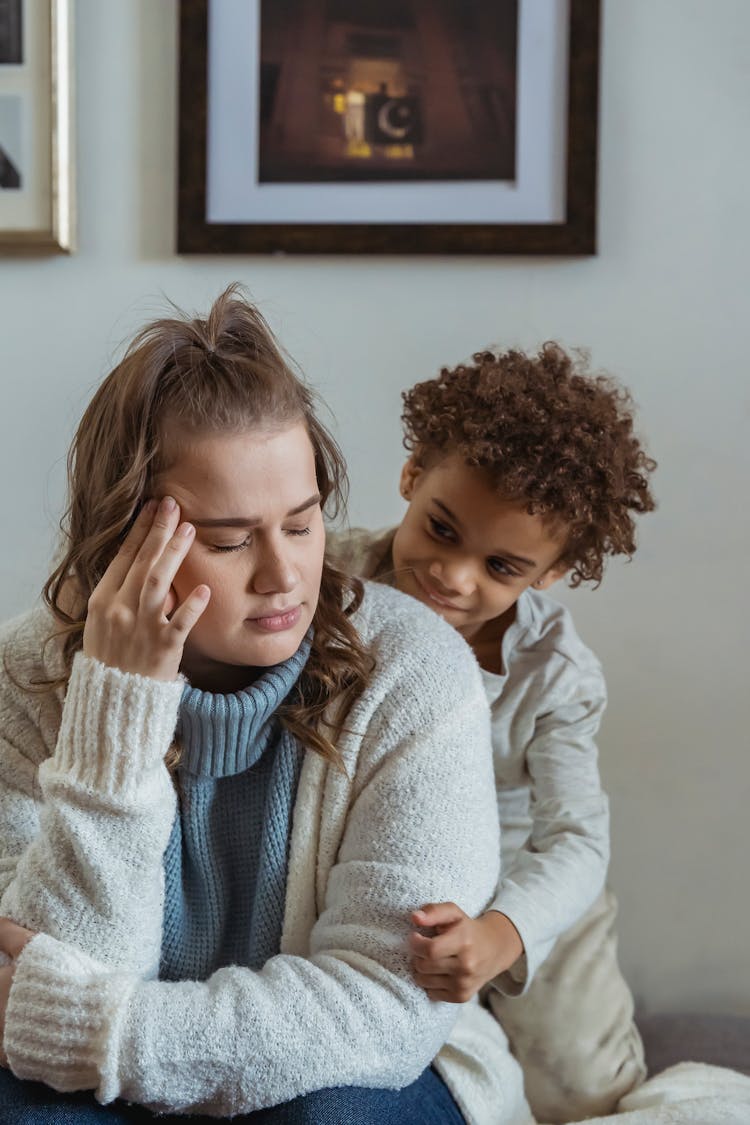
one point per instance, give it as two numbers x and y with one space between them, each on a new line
37 214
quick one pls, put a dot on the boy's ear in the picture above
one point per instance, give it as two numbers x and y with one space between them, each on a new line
409 476
554 574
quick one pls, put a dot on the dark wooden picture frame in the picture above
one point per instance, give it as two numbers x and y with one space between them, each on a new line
575 236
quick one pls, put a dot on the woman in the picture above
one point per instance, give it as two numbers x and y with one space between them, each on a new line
228 774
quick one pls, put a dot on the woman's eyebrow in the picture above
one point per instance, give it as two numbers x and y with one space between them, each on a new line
253 521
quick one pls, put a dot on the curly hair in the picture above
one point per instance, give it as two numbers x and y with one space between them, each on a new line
222 373
550 435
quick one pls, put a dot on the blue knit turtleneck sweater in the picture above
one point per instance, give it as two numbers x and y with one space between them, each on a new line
225 865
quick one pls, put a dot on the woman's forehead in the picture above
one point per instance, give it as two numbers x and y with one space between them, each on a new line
269 467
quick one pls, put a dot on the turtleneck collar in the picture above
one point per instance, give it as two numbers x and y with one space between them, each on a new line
223 735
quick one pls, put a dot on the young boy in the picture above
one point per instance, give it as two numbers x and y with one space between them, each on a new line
522 470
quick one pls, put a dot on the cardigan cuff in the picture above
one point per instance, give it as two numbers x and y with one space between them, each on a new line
115 727
63 1012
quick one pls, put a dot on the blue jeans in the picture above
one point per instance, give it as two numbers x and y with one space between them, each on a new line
425 1102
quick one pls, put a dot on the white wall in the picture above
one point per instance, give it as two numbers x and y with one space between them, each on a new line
664 305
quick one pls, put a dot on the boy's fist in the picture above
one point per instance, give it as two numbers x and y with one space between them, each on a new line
464 952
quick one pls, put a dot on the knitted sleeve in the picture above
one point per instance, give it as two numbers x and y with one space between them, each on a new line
83 830
421 825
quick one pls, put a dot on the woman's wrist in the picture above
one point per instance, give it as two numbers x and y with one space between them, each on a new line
116 726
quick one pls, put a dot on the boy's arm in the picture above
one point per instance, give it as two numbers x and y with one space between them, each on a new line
552 881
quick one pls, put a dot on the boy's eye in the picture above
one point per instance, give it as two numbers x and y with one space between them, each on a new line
440 529
297 531
498 566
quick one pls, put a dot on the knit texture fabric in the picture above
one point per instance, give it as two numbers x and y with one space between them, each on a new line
226 862
410 818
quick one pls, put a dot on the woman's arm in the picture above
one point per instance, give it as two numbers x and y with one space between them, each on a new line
421 823
84 830
84 839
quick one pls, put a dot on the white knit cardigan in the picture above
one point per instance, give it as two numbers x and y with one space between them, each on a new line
86 807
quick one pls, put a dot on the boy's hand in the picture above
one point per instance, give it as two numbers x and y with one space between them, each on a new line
465 952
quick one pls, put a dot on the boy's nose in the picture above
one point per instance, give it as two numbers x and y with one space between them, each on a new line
455 577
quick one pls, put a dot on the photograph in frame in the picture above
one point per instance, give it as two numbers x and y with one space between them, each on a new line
36 163
11 32
335 126
10 142
371 90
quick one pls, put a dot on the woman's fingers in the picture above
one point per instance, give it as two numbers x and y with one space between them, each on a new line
151 550
154 594
118 569
185 616
170 602
13 937
139 627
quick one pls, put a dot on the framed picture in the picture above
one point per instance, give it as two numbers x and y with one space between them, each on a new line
388 126
36 165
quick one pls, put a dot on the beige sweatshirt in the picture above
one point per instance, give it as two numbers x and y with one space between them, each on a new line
546 707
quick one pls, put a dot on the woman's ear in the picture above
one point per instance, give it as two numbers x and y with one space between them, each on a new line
409 476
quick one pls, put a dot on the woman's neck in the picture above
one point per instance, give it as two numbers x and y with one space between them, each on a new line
224 679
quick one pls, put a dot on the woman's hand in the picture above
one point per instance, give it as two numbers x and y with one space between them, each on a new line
464 953
127 625
13 938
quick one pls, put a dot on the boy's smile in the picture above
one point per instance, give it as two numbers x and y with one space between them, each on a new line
469 554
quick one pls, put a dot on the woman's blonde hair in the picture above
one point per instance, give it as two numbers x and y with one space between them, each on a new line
222 373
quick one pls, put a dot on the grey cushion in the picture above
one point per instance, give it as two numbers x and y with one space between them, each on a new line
719 1040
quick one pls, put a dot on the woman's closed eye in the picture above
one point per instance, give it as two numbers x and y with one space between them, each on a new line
225 547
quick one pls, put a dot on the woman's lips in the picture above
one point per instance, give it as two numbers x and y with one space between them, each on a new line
279 621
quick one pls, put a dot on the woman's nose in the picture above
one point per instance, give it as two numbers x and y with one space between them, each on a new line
274 572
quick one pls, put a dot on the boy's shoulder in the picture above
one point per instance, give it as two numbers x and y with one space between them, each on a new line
544 635
360 551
